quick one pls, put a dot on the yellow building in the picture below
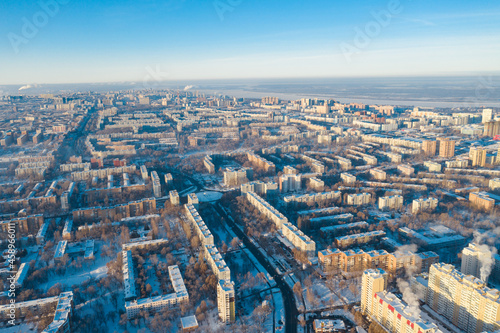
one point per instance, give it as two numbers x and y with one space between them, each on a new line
463 299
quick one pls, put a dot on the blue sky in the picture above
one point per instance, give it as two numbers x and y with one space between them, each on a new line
124 40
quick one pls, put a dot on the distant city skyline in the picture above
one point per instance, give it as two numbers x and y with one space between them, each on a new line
105 41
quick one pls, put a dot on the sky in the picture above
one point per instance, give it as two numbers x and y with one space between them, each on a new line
84 41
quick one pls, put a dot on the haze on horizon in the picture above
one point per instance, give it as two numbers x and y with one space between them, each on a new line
67 41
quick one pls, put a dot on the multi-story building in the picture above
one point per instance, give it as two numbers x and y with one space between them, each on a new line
158 303
458 163
477 156
481 200
265 208
316 183
396 316
62 317
313 197
144 173
487 115
174 198
134 208
226 301
394 202
290 170
156 184
446 148
204 234
406 169
359 199
494 183
216 263
260 188
290 183
475 258
347 178
261 162
491 128
193 199
420 205
464 300
169 180
128 276
236 177
296 237
429 147
432 166
373 281
378 174
358 239
344 163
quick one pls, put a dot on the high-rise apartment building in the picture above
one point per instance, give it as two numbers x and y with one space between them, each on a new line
446 148
226 301
429 147
477 155
487 115
373 281
464 300
156 184
491 128
474 260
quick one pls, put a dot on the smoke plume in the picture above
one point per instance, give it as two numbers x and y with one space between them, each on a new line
410 298
487 251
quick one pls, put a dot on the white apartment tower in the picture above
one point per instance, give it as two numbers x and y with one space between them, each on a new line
373 281
226 301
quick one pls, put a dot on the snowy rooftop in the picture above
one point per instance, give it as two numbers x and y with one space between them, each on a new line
189 322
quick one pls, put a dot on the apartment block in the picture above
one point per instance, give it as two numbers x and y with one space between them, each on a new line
359 199
174 198
226 301
373 281
290 183
494 183
481 200
464 300
347 178
158 303
236 177
477 156
204 234
394 202
421 205
358 239
378 174
156 184
474 259
406 170
432 166
446 148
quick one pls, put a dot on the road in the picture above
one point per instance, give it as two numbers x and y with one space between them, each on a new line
288 297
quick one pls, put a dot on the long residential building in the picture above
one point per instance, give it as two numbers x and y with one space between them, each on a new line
464 300
421 205
388 310
216 262
158 303
356 261
202 231
312 198
292 234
